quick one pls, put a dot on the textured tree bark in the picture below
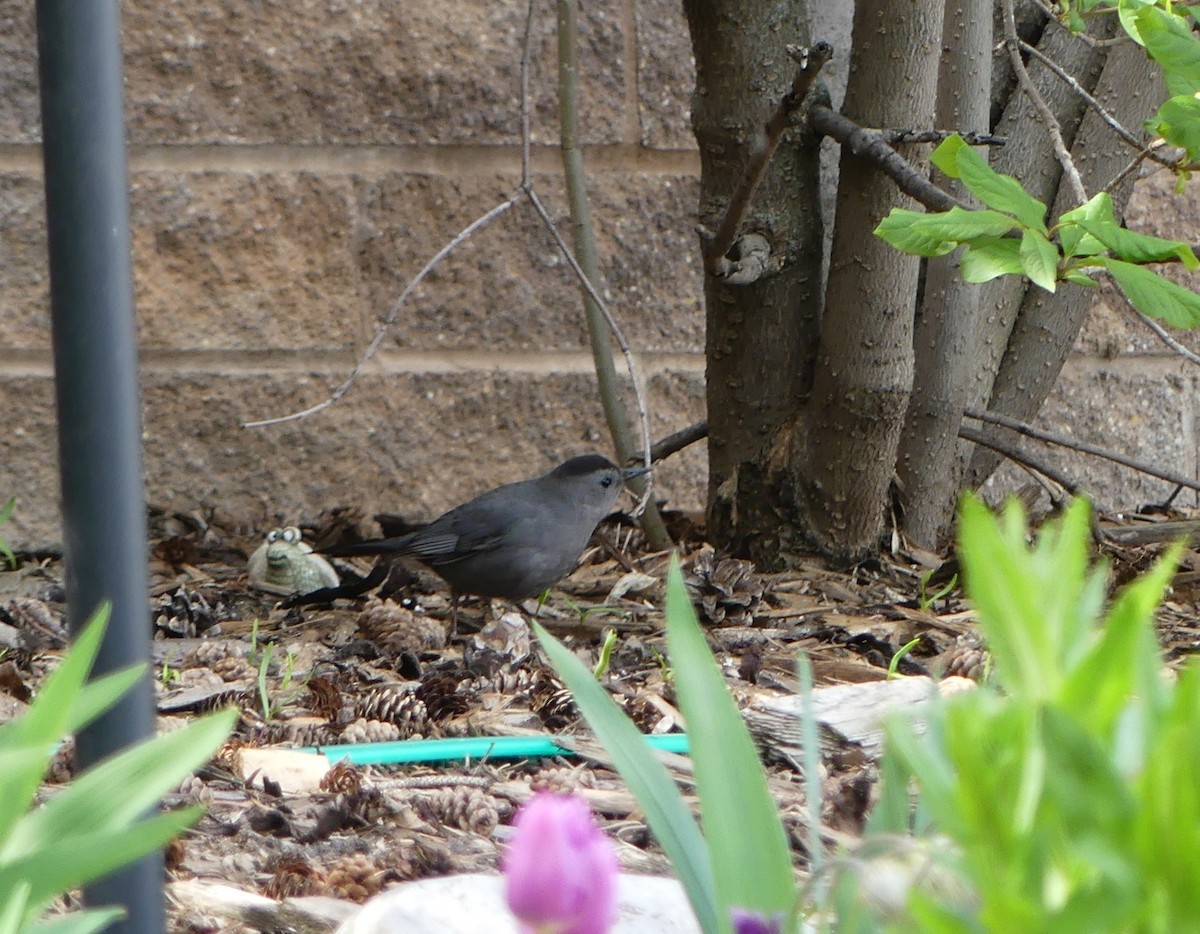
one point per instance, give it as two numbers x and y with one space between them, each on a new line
930 466
843 465
1130 88
1028 157
761 338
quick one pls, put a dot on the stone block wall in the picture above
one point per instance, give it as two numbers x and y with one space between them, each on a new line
294 164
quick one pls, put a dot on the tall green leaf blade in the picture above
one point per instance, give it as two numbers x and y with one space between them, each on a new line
45 722
741 823
117 791
673 826
1155 296
62 864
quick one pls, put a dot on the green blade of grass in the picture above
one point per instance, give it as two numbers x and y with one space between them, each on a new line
745 836
648 779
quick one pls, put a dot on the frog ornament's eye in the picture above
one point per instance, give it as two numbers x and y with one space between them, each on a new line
275 535
291 534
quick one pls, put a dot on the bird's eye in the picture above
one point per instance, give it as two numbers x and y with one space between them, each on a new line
606 482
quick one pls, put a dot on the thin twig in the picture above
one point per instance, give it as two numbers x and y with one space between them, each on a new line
870 146
1109 288
810 62
526 46
1091 101
1056 17
1012 43
477 224
587 268
993 418
676 442
1136 161
386 325
971 138
618 336
1018 456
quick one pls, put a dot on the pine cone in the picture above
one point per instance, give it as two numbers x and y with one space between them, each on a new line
398 705
182 614
726 589
40 626
356 877
968 661
395 628
370 731
463 807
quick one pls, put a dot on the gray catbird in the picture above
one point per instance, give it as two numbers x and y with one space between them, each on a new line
517 540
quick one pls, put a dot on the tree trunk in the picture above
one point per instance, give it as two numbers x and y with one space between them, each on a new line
843 464
931 465
1047 325
761 338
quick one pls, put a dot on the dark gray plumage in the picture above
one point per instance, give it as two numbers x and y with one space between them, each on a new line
516 540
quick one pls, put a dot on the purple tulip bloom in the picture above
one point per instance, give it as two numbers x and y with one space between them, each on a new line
561 870
754 922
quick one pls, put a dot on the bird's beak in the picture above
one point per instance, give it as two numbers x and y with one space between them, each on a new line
630 472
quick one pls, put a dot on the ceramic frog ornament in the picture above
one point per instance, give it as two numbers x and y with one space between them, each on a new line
285 564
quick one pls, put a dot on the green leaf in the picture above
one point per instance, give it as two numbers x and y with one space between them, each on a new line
1169 41
1139 248
1074 239
117 791
5 514
58 865
937 234
900 229
997 191
745 836
1079 278
46 720
989 257
648 779
1178 122
1127 11
1039 259
1155 296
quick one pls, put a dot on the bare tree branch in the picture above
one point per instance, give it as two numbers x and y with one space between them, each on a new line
1083 447
811 61
1091 101
870 146
1018 456
971 138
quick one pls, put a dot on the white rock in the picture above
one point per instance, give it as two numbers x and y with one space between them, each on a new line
469 904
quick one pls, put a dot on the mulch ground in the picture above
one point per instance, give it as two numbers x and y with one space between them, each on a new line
384 667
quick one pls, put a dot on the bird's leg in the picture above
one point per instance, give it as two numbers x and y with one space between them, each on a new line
455 596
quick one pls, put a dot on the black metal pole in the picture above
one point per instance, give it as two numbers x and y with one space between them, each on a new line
95 370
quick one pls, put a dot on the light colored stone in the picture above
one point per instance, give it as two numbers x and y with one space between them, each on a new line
469 904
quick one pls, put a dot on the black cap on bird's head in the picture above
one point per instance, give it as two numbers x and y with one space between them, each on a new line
582 465
587 464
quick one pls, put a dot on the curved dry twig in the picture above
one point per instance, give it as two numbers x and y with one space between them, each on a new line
386 325
1012 43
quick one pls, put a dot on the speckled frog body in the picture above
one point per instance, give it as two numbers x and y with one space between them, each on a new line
285 564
